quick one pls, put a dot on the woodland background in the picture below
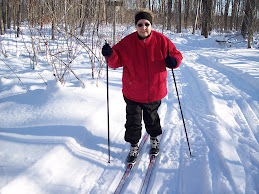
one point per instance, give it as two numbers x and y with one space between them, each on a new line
207 15
80 23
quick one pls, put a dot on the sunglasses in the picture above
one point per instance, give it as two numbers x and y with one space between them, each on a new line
146 24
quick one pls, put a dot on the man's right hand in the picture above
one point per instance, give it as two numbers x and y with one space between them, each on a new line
106 50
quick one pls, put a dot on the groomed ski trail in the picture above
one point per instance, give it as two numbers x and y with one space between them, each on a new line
222 110
175 168
220 114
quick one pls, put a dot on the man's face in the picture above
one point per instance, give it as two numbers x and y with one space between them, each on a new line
143 28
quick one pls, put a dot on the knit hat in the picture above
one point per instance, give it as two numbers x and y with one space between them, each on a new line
143 15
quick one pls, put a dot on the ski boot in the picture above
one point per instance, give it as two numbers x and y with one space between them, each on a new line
133 154
154 146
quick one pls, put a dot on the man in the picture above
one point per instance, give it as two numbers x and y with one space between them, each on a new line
144 56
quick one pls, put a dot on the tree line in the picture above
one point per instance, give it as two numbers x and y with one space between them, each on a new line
60 29
206 15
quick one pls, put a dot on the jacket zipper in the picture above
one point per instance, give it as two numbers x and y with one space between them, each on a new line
147 67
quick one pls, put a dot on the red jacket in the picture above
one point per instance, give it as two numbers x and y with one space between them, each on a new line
144 69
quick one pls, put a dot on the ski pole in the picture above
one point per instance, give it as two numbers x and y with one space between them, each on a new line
182 114
108 111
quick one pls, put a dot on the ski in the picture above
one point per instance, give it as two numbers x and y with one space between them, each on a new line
129 167
149 170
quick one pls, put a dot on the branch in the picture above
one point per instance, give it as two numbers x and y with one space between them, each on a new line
67 66
84 45
14 73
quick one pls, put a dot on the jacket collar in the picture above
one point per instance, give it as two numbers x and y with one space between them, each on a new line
141 38
145 40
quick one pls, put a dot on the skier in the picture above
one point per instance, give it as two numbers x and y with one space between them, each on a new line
144 56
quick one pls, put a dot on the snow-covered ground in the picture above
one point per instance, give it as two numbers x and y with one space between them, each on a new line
53 138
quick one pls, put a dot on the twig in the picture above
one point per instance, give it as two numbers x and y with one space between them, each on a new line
67 66
84 45
43 79
15 74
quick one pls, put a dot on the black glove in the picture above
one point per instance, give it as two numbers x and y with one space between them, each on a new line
170 61
106 50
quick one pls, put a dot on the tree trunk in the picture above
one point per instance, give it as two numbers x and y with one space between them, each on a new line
1 20
86 15
250 13
178 16
204 30
226 16
206 17
169 15
233 15
18 19
114 25
4 13
186 13
8 16
199 2
248 24
53 21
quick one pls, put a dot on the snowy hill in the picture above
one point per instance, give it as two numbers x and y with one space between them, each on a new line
53 138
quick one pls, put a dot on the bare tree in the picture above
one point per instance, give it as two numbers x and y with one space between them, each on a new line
169 14
53 23
178 15
205 28
18 18
8 14
206 17
249 21
4 12
195 22
234 16
186 12
226 15
2 29
86 15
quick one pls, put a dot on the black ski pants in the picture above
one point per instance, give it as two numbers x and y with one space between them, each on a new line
134 111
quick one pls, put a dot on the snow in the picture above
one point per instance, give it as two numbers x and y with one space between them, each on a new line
53 137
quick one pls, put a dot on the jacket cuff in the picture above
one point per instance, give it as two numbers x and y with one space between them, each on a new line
113 60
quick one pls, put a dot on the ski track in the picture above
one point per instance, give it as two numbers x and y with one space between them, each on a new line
217 144
216 85
168 163
189 168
